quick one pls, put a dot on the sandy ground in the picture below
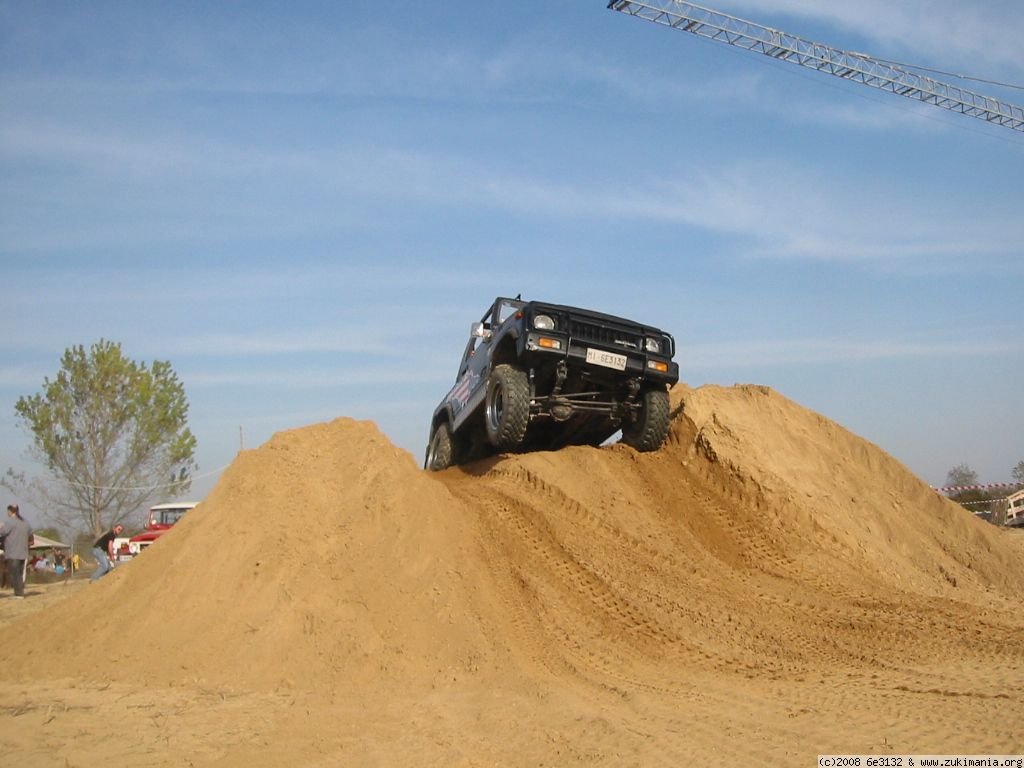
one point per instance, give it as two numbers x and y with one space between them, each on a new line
765 588
38 597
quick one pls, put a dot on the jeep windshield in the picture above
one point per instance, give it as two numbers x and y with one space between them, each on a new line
507 308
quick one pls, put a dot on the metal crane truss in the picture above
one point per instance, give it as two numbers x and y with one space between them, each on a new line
850 65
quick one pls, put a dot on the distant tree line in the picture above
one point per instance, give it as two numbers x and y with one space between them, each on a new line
963 475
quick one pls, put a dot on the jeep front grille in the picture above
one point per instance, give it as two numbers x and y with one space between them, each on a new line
612 337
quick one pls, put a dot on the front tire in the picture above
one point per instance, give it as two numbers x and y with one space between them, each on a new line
507 407
441 451
650 427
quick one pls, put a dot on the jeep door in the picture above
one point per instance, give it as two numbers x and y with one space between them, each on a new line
471 383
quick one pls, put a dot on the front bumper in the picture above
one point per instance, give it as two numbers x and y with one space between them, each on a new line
641 365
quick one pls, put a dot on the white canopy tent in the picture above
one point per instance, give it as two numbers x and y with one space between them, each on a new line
44 542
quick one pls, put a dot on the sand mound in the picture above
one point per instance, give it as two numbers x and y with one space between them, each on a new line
762 543
324 555
858 512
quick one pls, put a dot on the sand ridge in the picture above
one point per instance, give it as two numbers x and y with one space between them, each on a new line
768 585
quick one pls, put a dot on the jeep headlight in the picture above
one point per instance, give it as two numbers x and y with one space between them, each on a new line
544 323
653 345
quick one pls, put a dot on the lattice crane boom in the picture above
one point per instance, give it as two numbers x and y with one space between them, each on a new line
849 65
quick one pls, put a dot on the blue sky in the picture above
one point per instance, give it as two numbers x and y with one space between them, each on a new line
303 206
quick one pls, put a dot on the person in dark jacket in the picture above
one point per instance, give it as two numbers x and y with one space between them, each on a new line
102 550
17 537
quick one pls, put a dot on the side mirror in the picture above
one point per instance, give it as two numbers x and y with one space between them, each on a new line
479 331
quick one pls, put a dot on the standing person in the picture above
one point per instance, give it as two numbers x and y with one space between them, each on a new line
103 550
17 536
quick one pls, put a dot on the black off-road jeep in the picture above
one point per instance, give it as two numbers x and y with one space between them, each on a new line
542 376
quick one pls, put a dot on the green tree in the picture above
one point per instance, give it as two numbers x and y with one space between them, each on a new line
111 432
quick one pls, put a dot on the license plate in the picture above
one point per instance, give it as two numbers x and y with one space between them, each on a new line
607 359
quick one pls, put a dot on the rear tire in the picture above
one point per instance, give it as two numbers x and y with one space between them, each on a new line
650 428
507 407
441 452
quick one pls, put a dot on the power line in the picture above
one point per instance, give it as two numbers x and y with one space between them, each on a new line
951 74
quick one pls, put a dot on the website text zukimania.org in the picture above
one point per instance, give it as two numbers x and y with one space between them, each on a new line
920 761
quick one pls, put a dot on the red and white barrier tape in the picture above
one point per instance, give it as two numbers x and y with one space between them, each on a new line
950 488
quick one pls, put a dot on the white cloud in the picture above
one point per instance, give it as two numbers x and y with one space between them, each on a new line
777 209
764 353
303 378
947 33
